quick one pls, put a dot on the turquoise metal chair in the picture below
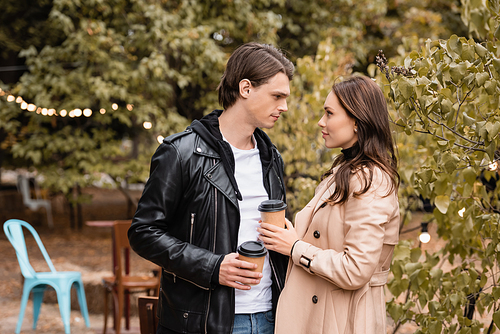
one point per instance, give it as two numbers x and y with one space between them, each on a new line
61 281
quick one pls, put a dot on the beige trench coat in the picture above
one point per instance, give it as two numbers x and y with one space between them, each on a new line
339 266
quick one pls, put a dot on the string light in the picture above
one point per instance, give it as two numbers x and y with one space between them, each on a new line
493 165
160 139
424 237
77 112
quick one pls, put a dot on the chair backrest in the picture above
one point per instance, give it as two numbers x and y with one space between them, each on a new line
148 320
121 245
13 229
24 187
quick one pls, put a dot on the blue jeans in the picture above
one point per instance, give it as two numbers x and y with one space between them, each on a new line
256 323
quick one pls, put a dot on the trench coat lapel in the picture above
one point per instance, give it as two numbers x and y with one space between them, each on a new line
305 216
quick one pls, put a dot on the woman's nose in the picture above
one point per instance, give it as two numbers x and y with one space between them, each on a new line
321 122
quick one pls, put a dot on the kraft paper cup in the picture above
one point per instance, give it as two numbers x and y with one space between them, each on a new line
273 212
253 252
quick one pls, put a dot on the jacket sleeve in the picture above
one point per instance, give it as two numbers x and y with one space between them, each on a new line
149 234
364 231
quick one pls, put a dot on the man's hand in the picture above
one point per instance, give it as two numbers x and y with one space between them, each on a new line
236 273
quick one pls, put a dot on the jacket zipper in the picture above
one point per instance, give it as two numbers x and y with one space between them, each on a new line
274 273
182 278
192 227
213 250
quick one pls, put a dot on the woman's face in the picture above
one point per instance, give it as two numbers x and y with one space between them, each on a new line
337 127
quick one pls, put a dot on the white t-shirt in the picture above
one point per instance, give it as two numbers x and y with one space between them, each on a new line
248 174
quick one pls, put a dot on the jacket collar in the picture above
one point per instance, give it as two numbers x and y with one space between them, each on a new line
209 131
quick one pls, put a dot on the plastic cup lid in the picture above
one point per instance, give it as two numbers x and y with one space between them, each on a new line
252 249
272 205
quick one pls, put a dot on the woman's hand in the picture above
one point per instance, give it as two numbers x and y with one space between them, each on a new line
278 239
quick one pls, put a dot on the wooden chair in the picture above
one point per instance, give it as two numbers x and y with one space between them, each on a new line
147 314
122 282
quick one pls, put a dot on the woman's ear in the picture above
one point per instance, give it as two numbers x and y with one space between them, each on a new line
245 87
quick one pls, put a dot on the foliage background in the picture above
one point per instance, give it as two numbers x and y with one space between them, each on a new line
160 62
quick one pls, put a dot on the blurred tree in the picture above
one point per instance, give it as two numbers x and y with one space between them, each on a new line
159 62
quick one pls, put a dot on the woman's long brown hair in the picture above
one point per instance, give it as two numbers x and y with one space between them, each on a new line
364 101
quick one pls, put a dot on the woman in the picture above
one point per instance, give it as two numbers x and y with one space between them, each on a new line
342 244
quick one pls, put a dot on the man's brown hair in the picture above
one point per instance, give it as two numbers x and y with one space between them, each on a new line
255 62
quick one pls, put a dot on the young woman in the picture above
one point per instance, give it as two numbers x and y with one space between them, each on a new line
342 244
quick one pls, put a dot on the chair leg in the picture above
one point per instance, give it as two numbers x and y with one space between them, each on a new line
80 290
38 293
64 301
106 296
24 302
50 221
127 310
118 310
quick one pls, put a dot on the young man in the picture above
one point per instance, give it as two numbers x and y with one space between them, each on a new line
201 201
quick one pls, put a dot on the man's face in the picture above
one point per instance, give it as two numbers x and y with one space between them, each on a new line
266 102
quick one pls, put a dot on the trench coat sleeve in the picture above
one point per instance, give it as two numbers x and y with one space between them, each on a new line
149 233
364 220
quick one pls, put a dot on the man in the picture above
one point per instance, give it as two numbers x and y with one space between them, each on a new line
201 201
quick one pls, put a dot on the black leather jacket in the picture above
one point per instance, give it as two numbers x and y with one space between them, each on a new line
187 220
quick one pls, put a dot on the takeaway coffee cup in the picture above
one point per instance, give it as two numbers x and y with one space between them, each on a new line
254 252
273 212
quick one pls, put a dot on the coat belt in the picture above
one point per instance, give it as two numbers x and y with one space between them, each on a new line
379 278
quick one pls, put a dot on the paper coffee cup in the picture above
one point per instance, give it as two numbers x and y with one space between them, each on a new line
253 252
273 212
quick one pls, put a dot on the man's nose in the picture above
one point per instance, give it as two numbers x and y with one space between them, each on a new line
283 107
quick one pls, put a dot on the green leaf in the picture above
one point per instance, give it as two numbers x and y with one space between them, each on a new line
415 254
405 88
449 162
496 318
442 203
481 78
457 71
490 86
454 45
468 121
455 300
481 50
396 311
492 129
410 268
446 106
470 175
435 327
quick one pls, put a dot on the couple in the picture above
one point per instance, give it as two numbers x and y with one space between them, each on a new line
201 201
